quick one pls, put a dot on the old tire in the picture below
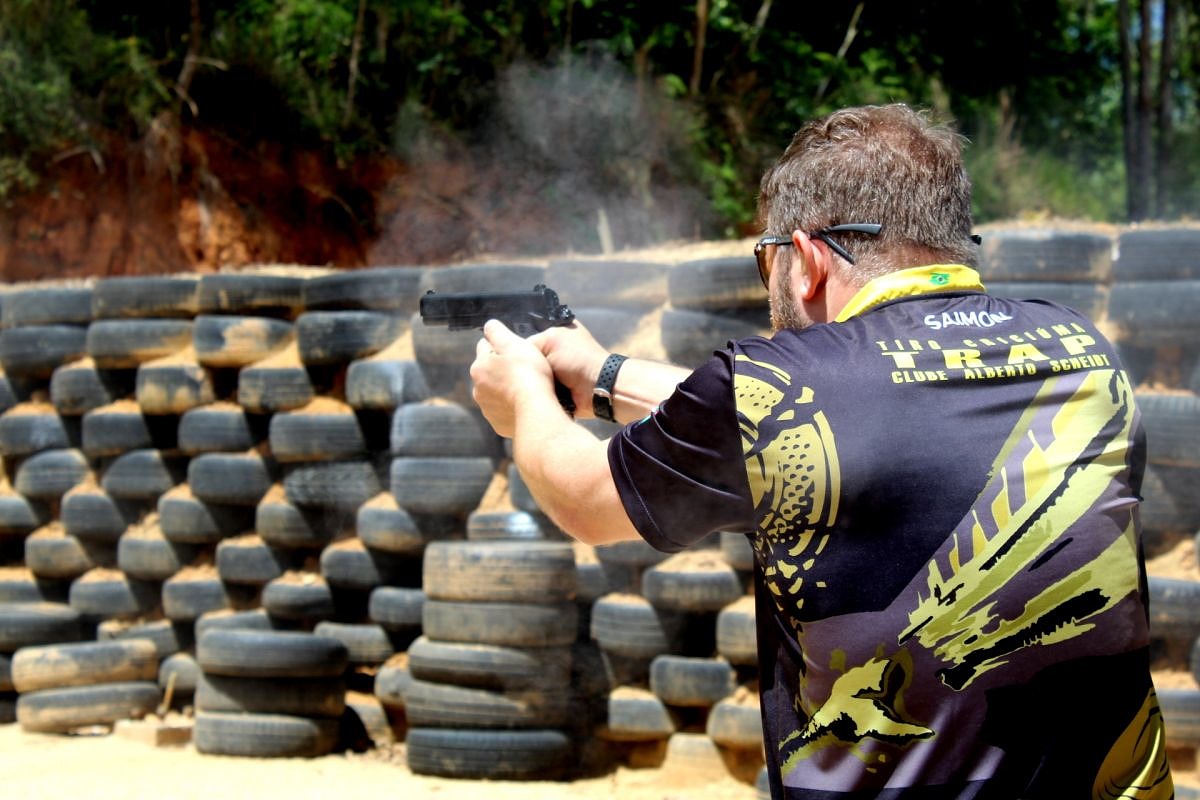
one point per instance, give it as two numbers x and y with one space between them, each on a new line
736 724
108 594
637 715
439 430
737 634
79 386
489 666
274 384
144 475
263 735
187 595
250 293
173 385
512 572
627 625
129 343
491 755
299 598
138 296
383 525
505 624
1045 254
114 429
375 289
284 525
58 666
187 519
339 337
325 430
685 681
342 485
379 384
37 351
716 284
236 479
226 341
62 710
29 428
242 653
217 428
440 485
443 705
144 553
350 565
30 624
302 697
692 581
248 560
50 474
1157 254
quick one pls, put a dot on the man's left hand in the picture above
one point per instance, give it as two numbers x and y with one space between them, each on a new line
506 371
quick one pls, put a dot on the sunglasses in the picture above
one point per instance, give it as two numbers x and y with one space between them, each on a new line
764 264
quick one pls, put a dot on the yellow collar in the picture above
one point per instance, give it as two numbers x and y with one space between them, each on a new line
910 283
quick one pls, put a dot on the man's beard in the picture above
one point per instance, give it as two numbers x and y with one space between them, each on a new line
784 311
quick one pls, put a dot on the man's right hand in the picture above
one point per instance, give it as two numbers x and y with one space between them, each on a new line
576 358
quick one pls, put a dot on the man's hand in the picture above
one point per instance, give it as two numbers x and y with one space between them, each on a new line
507 372
575 357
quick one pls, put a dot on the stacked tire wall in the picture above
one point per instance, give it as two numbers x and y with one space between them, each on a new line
286 457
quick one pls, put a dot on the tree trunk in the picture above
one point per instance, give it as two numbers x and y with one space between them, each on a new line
183 84
1145 115
698 50
847 40
1166 102
760 22
1128 125
355 53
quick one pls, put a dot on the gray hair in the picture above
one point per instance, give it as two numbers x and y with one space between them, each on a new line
885 164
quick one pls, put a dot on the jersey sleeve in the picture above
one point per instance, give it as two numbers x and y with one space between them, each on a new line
680 471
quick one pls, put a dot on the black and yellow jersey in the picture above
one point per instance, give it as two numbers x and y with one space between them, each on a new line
941 491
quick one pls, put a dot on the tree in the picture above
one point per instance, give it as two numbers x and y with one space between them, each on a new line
1148 102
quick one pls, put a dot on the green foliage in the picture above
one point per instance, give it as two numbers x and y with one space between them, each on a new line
1012 182
303 47
35 91
364 77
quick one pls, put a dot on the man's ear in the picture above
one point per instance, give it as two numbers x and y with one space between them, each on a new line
812 265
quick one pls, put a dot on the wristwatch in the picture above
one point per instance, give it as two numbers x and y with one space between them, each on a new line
602 395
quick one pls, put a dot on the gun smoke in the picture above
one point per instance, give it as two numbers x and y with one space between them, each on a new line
576 156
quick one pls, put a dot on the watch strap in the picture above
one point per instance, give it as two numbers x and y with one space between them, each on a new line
602 395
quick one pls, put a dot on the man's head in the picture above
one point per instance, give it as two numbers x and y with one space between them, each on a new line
874 164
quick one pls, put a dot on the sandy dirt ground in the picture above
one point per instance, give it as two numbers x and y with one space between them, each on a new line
112 767
115 767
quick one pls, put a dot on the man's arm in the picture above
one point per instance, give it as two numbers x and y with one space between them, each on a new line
564 466
576 359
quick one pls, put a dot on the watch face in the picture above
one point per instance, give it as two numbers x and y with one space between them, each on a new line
602 405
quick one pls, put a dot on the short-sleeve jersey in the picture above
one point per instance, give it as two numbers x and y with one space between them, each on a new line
940 489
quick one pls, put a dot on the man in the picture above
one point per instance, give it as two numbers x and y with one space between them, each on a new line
940 487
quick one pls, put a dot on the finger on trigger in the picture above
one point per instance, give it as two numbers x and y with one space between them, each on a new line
496 332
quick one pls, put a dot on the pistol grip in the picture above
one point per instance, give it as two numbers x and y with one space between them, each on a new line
564 397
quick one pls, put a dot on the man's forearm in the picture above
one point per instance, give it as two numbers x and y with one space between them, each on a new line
566 470
642 386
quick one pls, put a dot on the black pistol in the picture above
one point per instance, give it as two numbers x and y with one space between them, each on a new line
526 313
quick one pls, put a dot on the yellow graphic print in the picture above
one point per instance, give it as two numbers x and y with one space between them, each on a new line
958 619
792 463
1141 745
866 704
1059 461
